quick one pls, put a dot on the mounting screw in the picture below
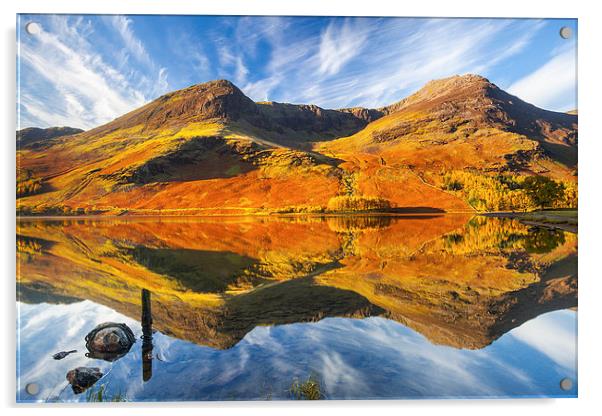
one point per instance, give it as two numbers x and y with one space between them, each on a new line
32 389
33 28
565 32
566 384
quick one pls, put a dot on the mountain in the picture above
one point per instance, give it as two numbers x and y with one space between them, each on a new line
31 135
468 117
221 100
459 134
458 144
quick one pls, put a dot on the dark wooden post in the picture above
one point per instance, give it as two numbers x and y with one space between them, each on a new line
147 336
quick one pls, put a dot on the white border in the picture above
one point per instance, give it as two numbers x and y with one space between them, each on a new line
590 163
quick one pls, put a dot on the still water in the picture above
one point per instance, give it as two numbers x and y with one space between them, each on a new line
245 309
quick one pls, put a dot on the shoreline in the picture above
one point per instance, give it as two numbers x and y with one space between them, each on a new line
533 218
269 215
552 219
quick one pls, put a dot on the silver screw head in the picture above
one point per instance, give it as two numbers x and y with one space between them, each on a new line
33 28
566 384
32 389
565 32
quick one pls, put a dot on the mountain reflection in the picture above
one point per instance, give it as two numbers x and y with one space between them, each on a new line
460 281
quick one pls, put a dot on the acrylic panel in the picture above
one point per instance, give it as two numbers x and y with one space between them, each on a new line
295 208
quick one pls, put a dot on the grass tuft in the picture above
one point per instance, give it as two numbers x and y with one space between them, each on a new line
99 395
310 389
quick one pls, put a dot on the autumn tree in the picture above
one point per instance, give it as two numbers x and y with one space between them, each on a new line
542 190
358 203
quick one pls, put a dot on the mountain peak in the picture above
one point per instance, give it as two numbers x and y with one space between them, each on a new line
219 99
218 87
467 78
457 81
451 88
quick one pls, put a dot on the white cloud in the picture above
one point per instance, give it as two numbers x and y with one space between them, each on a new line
339 44
231 63
354 358
514 48
241 71
553 86
402 58
38 113
122 25
553 335
225 56
337 372
65 81
260 90
373 62
77 74
366 62
70 324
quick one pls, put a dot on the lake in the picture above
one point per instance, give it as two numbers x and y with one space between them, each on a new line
250 308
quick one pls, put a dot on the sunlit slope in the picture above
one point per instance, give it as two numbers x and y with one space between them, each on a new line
200 166
467 122
214 281
459 124
203 149
208 149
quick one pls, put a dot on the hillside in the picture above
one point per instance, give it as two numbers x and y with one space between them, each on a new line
458 144
34 135
487 128
461 130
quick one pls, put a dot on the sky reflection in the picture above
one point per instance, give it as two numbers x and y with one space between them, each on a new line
354 358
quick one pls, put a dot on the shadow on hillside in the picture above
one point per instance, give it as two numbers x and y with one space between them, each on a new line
565 154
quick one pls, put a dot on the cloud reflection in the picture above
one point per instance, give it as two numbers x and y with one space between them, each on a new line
354 358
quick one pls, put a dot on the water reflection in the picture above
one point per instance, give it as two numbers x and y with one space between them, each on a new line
445 287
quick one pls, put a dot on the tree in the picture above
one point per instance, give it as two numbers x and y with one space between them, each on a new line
543 240
358 203
543 191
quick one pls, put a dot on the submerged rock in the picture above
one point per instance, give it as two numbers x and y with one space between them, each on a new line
109 341
62 354
82 378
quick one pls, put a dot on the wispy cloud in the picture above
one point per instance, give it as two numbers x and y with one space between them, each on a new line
232 64
553 85
74 84
529 30
79 76
420 54
354 358
123 26
339 44
190 49
84 71
373 62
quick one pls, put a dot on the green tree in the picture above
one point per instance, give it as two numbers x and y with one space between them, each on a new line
543 191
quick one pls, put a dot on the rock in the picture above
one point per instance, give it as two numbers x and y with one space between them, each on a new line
109 341
62 354
82 378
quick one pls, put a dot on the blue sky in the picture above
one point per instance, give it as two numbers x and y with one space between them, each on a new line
84 71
